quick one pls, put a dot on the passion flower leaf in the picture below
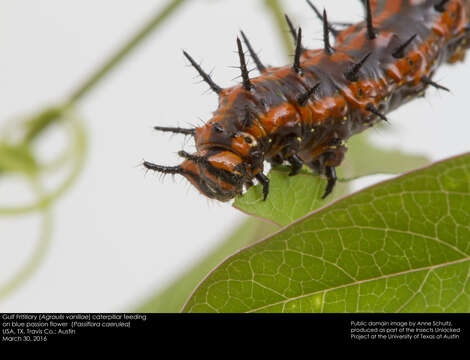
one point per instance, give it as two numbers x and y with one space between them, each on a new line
399 246
291 197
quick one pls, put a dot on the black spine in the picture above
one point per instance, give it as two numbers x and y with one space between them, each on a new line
163 169
371 108
400 52
352 75
298 52
302 99
259 65
441 7
206 77
176 130
370 24
319 15
291 28
428 81
247 85
326 35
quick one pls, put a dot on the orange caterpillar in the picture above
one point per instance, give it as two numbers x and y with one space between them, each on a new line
305 112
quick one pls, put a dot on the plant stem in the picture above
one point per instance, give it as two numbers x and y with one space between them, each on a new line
52 115
77 149
104 69
278 13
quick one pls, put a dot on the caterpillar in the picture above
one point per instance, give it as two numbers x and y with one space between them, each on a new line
304 113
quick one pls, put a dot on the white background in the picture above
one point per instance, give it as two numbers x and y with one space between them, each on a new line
120 234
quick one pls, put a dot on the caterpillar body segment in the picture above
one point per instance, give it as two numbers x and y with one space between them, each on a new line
304 113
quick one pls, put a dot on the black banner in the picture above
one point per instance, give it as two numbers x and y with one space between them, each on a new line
348 329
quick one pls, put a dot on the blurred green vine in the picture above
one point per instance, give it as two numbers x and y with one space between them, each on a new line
18 138
18 156
278 13
39 253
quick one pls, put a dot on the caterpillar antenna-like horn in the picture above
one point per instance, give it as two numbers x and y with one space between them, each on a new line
176 130
164 169
194 158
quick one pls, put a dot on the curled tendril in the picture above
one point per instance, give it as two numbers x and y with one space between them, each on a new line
16 155
74 154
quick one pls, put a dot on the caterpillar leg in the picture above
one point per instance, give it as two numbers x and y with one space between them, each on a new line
326 164
330 173
263 179
296 165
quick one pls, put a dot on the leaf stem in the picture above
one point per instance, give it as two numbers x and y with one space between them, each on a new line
121 53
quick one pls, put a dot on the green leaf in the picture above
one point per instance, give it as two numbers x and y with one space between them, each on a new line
291 197
172 298
400 246
364 158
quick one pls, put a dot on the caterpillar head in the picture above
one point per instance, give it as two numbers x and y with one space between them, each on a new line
217 173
